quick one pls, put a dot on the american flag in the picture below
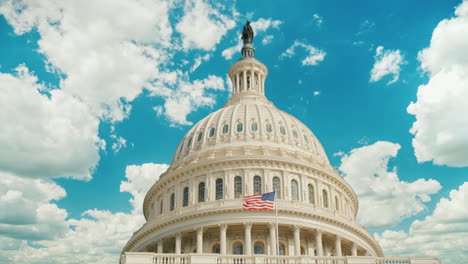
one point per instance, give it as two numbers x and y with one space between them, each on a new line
259 201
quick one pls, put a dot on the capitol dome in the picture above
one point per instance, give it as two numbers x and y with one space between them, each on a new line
194 211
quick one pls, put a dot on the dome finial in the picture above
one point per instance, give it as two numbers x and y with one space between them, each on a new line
247 37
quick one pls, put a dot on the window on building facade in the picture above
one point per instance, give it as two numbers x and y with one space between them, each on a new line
219 189
201 192
277 187
237 248
200 136
239 127
282 130
294 132
172 201
259 248
161 207
186 197
225 129
254 126
282 249
189 143
306 139
237 187
257 185
212 132
337 203
325 198
269 128
311 194
216 248
294 190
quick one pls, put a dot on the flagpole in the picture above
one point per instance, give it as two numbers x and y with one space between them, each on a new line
277 232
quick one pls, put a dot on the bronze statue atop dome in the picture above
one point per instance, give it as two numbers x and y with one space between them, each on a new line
247 33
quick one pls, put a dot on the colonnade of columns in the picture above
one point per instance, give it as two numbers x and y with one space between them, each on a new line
273 241
249 80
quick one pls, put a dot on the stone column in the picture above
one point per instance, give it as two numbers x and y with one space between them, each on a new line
200 240
178 243
354 250
237 83
160 246
244 84
338 246
318 242
248 239
297 240
222 238
273 243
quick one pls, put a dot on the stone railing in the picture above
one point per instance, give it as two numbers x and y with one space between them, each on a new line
153 258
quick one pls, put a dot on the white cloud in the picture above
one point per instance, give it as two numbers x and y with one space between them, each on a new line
97 237
189 96
26 208
198 61
441 234
139 180
229 52
202 26
46 133
384 200
262 24
316 93
105 60
441 130
313 57
387 62
317 19
267 39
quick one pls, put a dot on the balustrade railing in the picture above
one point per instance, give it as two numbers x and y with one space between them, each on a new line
154 258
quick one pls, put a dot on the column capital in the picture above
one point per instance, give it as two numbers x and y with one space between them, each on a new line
223 226
297 228
248 225
338 237
199 229
318 232
272 225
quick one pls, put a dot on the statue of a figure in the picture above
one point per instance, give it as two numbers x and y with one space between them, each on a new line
247 33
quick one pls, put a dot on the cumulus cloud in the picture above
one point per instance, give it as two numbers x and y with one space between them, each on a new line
48 133
384 200
313 55
189 96
97 237
387 62
317 19
202 26
441 234
440 130
260 27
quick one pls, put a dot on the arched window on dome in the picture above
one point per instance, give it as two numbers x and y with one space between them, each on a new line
337 203
237 187
212 132
294 132
310 188
161 206
306 139
259 248
216 248
238 248
269 128
325 198
282 130
294 190
254 126
189 143
201 192
219 189
257 185
172 201
239 127
200 136
186 197
277 187
225 129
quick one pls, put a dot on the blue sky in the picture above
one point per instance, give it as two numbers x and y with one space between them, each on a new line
96 96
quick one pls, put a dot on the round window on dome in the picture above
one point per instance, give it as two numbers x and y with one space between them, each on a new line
212 132
200 136
239 127
282 130
225 129
269 128
254 126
